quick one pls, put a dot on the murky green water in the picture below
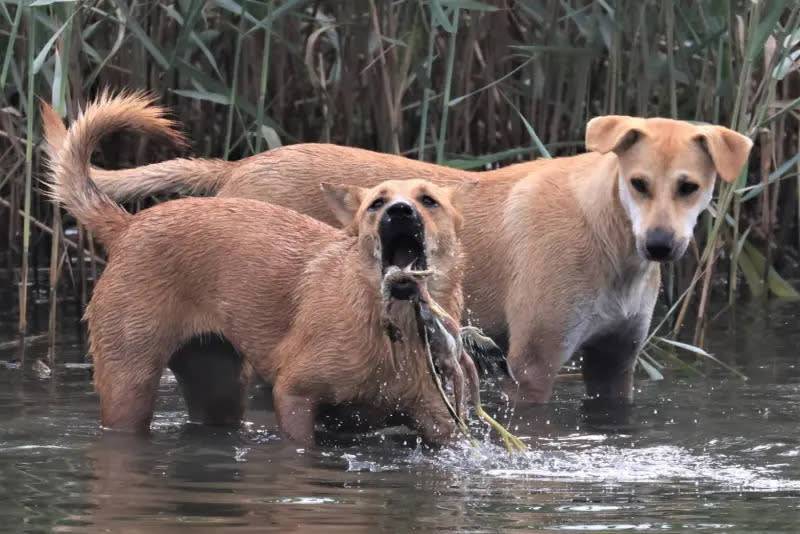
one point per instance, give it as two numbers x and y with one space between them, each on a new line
713 455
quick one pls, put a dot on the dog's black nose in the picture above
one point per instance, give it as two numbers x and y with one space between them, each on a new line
400 208
659 244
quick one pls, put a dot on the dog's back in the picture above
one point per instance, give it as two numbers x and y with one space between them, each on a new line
175 260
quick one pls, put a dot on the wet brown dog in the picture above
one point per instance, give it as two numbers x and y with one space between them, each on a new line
562 254
299 300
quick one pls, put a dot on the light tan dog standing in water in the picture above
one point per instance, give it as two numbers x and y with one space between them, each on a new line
563 254
300 301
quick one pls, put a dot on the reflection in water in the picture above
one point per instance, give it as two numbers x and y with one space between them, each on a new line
692 454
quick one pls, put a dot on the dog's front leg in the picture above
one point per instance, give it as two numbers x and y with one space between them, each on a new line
431 419
608 361
609 380
534 358
295 413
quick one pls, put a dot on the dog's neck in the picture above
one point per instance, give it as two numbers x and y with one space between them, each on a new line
599 199
400 366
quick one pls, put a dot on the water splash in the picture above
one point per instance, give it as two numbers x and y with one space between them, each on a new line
610 465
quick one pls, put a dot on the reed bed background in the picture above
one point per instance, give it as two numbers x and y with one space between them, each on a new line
466 83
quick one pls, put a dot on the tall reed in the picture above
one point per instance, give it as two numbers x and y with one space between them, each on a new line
467 83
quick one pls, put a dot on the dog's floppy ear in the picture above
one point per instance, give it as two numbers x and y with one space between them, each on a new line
612 133
729 150
343 200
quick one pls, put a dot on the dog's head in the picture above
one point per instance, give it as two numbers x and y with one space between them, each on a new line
402 222
667 170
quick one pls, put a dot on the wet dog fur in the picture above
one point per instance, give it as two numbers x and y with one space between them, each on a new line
297 299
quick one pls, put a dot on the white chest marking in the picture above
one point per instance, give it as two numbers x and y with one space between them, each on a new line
608 307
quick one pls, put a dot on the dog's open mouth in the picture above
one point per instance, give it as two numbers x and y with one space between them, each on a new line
402 245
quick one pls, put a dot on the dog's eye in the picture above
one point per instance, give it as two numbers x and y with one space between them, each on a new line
376 204
428 201
640 185
686 188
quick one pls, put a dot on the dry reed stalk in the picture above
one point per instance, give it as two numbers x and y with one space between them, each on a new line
473 85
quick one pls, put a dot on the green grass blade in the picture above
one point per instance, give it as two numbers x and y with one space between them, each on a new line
437 11
777 285
186 28
777 174
649 368
701 352
149 45
270 136
234 84
448 83
426 90
671 357
12 39
513 71
62 83
204 95
765 28
531 132
791 106
39 3
262 88
26 224
37 63
471 5
237 10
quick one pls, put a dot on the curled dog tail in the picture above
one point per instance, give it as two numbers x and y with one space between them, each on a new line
55 133
180 175
69 151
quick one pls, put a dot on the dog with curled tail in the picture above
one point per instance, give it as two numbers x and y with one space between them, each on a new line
298 300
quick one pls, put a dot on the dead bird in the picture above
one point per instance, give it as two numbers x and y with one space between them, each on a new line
450 329
398 284
487 356
404 284
485 353
443 337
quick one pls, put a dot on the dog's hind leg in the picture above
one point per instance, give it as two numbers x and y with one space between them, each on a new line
296 413
127 384
213 379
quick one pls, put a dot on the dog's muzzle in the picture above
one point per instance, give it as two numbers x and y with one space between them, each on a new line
660 245
402 235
